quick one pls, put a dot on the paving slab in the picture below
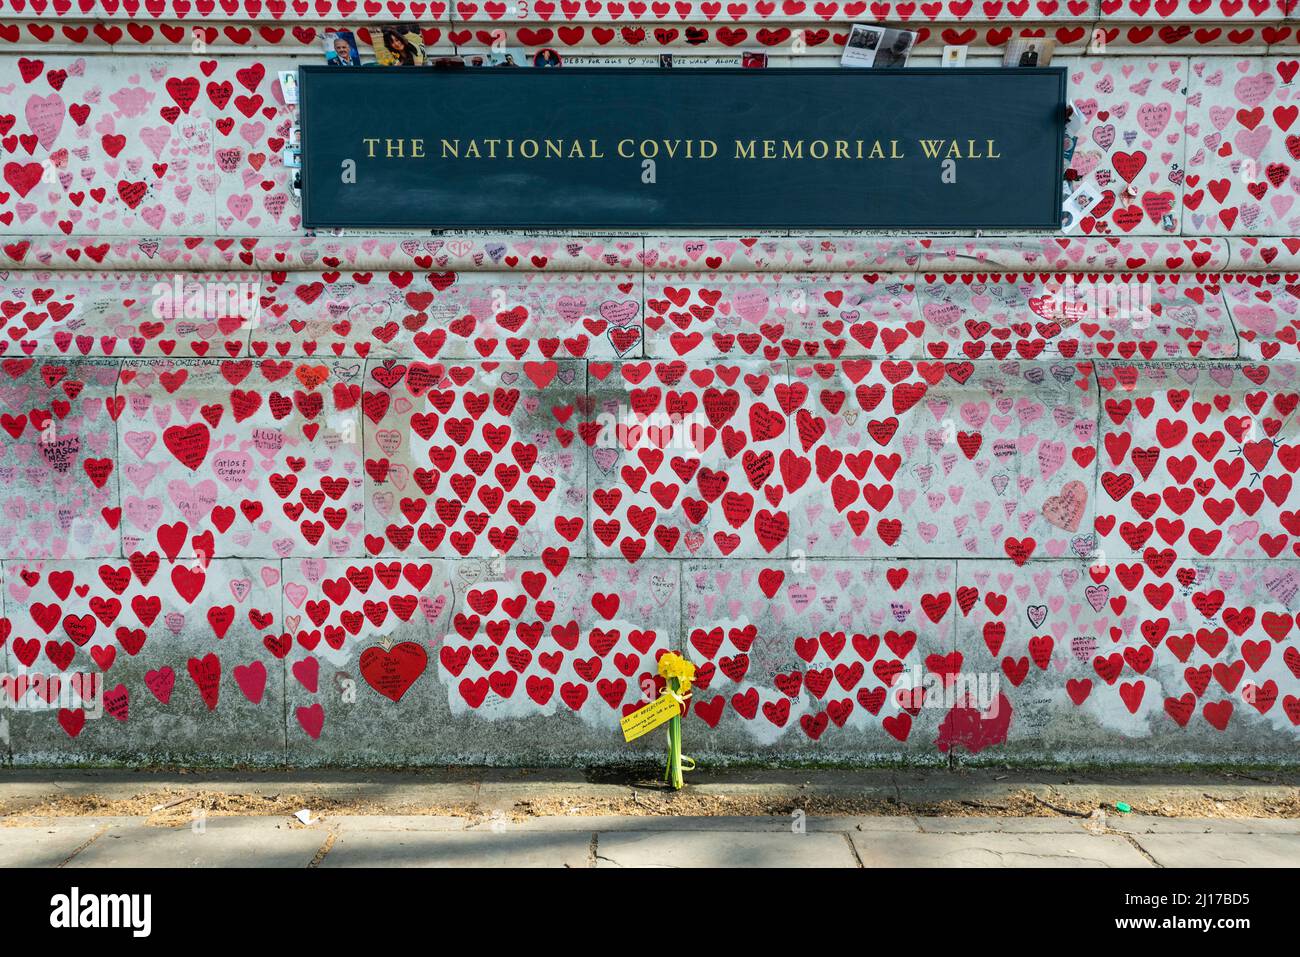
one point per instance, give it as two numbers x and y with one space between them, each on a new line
899 822
1222 850
531 776
754 823
44 846
722 849
26 787
223 842
1002 825
591 823
838 780
1147 824
357 848
996 850
395 822
505 795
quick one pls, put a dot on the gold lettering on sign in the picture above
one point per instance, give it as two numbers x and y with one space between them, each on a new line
399 148
787 150
952 149
818 149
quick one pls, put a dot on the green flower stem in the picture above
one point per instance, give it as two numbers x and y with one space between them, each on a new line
673 772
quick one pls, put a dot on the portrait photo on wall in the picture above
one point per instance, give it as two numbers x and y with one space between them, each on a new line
1028 51
1075 205
502 56
877 47
398 44
341 48
547 57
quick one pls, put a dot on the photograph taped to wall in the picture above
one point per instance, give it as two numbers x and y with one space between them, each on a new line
1076 206
503 56
877 47
1028 52
289 86
341 48
1070 144
398 44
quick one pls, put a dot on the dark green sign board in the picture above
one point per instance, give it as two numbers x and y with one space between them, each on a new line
608 148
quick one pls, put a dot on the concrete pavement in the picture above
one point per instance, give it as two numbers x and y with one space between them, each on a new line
877 789
567 818
637 841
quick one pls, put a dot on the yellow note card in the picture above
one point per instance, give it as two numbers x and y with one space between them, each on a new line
664 708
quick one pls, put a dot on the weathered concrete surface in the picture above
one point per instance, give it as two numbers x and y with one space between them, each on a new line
1091 668
1144 824
357 847
177 653
996 849
1222 850
222 842
57 454
723 849
46 846
420 841
513 645
363 618
262 458
956 460
1001 825
396 792
830 666
445 316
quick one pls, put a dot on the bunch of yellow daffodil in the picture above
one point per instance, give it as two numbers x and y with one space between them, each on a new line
672 665
679 673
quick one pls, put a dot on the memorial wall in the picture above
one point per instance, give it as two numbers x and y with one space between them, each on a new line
910 475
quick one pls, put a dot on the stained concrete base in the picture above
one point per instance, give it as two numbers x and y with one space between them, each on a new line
569 818
358 847
45 846
723 849
1211 849
608 842
997 848
222 842
402 791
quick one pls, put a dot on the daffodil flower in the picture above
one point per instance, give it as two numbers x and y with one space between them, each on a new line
678 673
